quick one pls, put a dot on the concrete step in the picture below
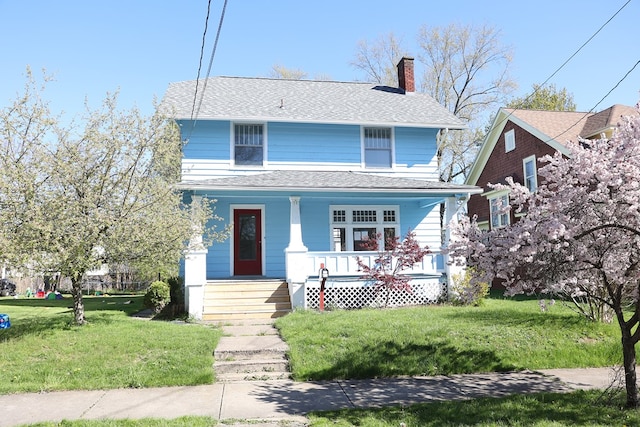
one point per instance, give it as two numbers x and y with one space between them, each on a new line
251 366
253 376
248 330
233 306
223 316
247 347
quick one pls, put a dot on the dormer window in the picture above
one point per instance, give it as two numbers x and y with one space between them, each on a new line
509 141
377 147
249 144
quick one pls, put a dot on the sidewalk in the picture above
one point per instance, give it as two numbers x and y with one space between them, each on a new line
284 400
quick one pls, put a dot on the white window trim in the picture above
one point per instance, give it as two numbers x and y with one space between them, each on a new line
362 148
491 196
232 149
349 225
535 172
509 141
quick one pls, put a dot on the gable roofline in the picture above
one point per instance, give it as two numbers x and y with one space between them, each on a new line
491 139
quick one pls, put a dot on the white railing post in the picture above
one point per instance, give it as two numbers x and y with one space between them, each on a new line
296 256
452 205
195 270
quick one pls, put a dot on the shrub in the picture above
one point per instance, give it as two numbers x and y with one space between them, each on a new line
464 291
158 296
176 307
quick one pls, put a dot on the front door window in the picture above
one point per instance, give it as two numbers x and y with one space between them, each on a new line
247 233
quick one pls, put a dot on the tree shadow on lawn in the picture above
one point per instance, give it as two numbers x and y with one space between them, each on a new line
96 311
391 359
578 408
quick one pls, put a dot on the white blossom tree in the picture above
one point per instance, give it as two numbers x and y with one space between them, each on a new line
579 237
74 197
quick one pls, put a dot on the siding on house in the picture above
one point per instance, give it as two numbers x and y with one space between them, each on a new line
300 146
503 164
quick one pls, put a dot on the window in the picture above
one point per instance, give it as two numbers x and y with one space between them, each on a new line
530 174
248 144
362 228
499 218
509 141
377 148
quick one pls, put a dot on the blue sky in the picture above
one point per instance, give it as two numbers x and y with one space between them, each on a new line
139 46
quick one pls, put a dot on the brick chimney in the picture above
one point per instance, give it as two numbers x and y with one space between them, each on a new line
406 81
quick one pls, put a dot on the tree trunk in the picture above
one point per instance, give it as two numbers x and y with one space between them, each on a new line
78 303
629 354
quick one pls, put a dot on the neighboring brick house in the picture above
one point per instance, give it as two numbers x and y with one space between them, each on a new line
515 142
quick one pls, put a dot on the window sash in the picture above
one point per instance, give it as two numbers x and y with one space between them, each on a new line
249 144
530 178
509 141
499 219
377 147
353 226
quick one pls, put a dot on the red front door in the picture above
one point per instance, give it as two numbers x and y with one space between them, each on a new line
247 246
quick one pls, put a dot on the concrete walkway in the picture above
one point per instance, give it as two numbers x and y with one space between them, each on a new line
276 400
284 400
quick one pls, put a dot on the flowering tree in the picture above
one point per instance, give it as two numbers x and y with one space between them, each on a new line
580 235
74 197
396 257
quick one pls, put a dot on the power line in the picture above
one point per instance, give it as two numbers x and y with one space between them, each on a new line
204 37
213 54
598 103
565 63
580 48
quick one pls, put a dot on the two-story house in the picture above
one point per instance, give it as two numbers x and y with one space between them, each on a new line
305 172
515 142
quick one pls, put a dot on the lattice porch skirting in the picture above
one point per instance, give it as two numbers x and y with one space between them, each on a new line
352 294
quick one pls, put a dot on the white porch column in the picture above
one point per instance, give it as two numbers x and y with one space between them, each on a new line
195 271
296 255
452 206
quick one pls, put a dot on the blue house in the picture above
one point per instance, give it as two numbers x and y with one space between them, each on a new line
305 172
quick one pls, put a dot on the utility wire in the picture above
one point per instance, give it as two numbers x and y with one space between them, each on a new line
580 48
213 54
565 63
204 36
598 103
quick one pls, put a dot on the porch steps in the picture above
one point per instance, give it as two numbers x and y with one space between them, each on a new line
245 299
251 351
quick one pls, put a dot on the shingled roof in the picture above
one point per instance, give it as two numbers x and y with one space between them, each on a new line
298 180
281 100
562 126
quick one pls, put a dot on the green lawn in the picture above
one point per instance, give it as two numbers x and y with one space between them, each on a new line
501 335
539 410
43 351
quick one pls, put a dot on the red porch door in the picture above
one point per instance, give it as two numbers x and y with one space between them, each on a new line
247 242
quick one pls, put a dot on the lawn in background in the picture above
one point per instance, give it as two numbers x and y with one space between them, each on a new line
44 351
501 335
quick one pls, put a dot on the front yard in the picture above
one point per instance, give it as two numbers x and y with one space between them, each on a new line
501 335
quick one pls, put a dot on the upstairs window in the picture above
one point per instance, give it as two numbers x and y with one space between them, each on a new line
377 148
509 141
249 144
530 173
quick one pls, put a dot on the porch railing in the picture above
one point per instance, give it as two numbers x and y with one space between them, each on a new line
344 263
